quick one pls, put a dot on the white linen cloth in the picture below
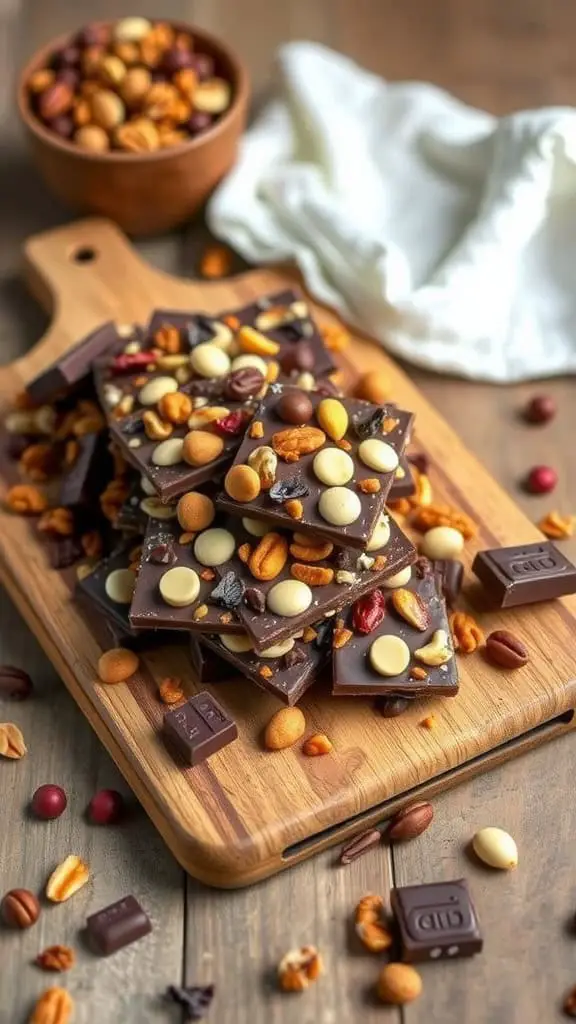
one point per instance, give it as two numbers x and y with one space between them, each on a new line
445 232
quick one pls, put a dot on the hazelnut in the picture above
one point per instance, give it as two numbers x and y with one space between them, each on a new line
135 85
117 665
138 136
284 729
374 386
128 52
399 984
112 70
175 407
92 138
107 109
40 80
242 483
195 511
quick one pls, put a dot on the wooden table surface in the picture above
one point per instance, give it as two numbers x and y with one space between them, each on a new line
502 55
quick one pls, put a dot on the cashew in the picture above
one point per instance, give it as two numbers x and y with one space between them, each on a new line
437 652
265 461
155 428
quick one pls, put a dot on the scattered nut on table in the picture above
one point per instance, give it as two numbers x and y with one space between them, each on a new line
496 848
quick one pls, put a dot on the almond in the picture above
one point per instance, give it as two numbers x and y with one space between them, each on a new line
290 444
333 418
269 557
411 607
313 575
253 341
410 822
284 729
67 879
11 741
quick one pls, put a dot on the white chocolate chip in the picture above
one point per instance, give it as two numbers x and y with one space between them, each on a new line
131 30
306 381
437 651
257 527
442 542
155 389
207 360
126 331
339 506
199 401
277 650
135 442
496 848
154 507
289 598
365 561
119 585
380 534
236 644
168 453
147 486
112 395
249 359
179 586
345 576
399 579
333 467
214 547
378 455
389 655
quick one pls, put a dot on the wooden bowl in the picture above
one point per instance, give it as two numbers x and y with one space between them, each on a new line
145 193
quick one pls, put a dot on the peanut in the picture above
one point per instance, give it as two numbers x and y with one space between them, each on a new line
284 729
242 483
117 665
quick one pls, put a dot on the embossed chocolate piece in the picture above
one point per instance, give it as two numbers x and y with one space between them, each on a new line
436 921
525 573
198 728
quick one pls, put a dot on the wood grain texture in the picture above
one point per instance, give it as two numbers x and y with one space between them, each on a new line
502 56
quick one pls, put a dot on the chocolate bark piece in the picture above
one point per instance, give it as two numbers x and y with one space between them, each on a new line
116 926
87 477
450 573
208 667
366 422
348 584
436 921
287 678
404 485
150 611
353 674
525 573
63 551
93 590
199 728
76 363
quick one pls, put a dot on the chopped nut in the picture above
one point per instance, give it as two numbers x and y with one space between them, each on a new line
272 371
186 538
417 672
369 927
67 879
175 407
56 958
317 745
466 632
309 635
423 495
265 461
293 442
168 339
269 557
556 526
57 521
256 429
155 428
369 486
378 563
265 671
39 462
389 424
341 637
294 508
170 690
207 575
312 575
429 516
429 722
225 618
200 612
26 500
216 262
298 968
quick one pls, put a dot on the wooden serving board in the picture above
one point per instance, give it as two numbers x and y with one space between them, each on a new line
247 813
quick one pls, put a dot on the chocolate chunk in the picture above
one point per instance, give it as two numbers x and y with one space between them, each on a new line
63 552
286 683
87 476
208 667
92 588
229 592
244 383
15 683
360 845
163 553
117 926
436 921
75 364
195 1000
199 330
291 487
255 600
525 573
392 707
450 573
294 657
198 728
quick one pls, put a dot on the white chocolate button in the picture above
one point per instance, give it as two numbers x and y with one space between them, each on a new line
236 644
378 455
380 534
400 579
442 542
155 389
249 359
333 467
147 486
257 527
389 655
156 509
214 547
339 506
179 586
277 650
168 453
289 598
208 360
131 30
120 584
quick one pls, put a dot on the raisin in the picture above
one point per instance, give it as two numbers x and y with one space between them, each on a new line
132 426
199 330
195 1000
294 657
343 558
291 487
209 388
422 567
372 426
391 707
229 592
324 630
255 600
368 612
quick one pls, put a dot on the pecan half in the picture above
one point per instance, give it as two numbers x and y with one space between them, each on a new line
56 958
411 607
313 575
369 926
55 1006
269 557
298 968
428 516
26 500
290 444
466 632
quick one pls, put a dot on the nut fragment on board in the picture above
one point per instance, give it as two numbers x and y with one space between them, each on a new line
556 526
317 745
360 845
117 665
56 958
55 1006
428 516
11 741
369 925
466 632
67 879
298 968
26 500
410 822
496 848
170 690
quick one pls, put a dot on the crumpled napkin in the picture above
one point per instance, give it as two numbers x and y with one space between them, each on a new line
444 232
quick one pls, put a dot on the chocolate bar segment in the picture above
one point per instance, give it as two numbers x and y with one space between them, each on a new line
110 586
295 473
450 573
117 926
524 574
353 672
404 485
436 921
198 729
87 476
75 364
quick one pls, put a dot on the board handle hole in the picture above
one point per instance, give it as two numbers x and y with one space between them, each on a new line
85 254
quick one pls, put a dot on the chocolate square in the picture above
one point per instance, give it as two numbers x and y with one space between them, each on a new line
436 921
525 573
198 728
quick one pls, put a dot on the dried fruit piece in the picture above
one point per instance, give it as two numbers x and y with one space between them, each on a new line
11 741
256 429
369 426
284 729
229 592
313 575
466 632
56 958
341 637
234 423
368 612
298 968
369 926
251 340
195 1000
296 441
294 508
556 526
496 848
255 600
317 745
67 879
410 822
310 550
411 607
399 984
55 1006
170 690
369 486
269 557
288 489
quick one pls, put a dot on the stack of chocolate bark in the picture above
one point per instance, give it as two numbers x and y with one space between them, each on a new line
245 506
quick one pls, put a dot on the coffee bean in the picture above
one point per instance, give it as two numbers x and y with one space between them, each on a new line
15 683
294 407
506 650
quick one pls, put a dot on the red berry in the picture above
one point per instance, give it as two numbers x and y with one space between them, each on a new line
540 409
106 807
541 480
49 802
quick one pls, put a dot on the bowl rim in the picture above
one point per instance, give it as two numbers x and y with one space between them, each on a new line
37 128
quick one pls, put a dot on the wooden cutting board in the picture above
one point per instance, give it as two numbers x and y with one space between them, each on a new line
247 813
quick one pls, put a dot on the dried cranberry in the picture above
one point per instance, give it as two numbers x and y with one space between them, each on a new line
232 424
49 802
176 60
323 630
106 807
291 487
540 409
368 612
541 480
229 592
127 362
